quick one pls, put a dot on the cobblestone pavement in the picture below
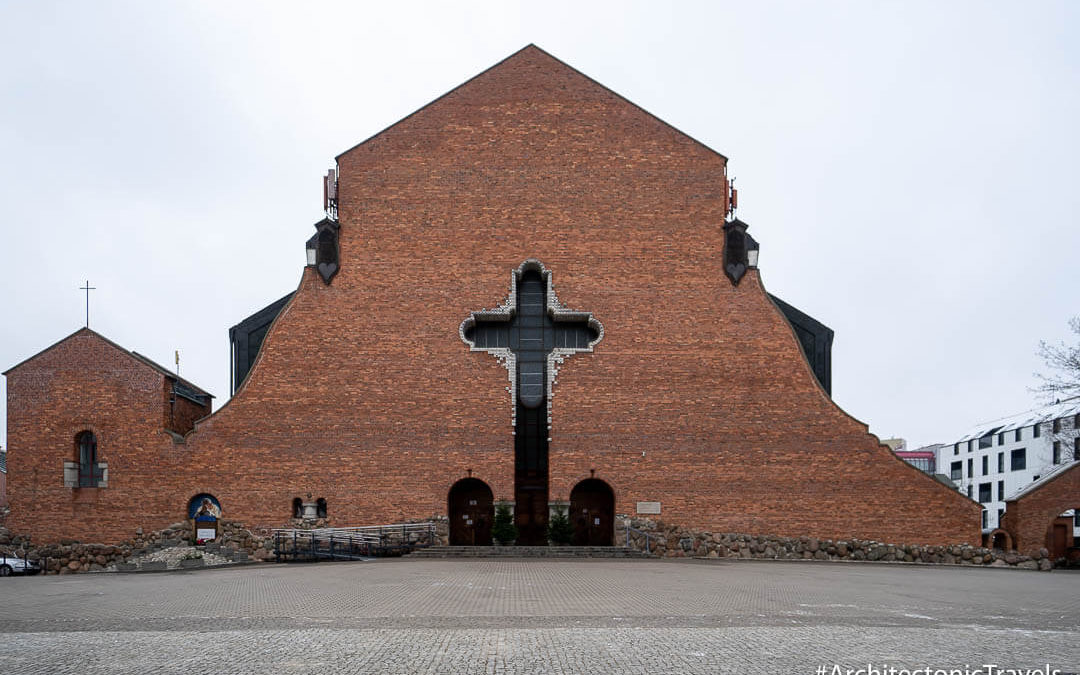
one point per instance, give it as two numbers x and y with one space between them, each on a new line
541 616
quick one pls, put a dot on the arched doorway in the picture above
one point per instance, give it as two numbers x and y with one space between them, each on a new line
1063 538
471 506
1000 540
592 511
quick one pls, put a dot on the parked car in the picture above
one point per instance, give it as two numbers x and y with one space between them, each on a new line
10 565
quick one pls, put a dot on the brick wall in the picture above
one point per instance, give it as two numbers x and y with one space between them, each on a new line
698 396
180 414
85 383
1027 518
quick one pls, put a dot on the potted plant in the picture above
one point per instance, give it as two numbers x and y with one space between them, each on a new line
503 530
560 530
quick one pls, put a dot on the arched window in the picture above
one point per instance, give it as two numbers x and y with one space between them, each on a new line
89 472
320 508
297 508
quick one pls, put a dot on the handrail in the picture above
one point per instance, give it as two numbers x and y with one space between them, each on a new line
352 542
648 548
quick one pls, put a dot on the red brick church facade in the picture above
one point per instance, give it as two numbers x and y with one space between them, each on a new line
369 391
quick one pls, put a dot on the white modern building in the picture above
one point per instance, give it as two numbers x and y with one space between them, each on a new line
996 460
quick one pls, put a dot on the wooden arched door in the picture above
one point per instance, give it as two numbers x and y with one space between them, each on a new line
471 506
592 511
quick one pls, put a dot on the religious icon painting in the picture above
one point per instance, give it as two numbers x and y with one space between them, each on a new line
204 507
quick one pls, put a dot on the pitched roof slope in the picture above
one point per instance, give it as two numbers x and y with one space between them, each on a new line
544 60
135 355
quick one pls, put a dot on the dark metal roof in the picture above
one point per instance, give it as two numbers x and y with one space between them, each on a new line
814 337
246 339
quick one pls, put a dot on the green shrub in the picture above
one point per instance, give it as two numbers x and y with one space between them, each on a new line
503 530
560 530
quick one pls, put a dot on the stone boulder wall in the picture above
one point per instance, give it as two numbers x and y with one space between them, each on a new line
671 541
68 557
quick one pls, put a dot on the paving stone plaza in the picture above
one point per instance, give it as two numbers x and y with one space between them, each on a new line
542 616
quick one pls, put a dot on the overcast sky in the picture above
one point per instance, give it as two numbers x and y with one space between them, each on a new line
910 169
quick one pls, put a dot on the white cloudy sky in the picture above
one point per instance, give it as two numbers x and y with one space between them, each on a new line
910 169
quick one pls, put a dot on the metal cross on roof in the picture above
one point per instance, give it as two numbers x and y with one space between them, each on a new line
87 288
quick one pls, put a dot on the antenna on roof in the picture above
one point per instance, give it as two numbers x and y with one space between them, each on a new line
329 193
733 198
178 363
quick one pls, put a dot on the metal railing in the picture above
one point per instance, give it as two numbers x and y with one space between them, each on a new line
351 543
648 538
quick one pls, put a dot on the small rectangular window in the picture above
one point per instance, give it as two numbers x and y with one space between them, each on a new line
969 492
971 467
1057 426
1017 436
1035 431
985 441
956 471
985 464
1076 518
1076 449
1001 462
1076 421
986 493
1001 438
956 449
971 445
1057 452
986 519
1001 513
1001 491
1019 460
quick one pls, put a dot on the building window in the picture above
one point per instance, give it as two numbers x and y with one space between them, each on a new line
1001 513
1076 449
1017 436
1035 430
1019 459
1076 421
986 441
89 474
986 519
971 445
320 508
1001 462
297 508
1057 426
986 494
1001 492
1034 478
1057 452
1076 517
985 464
956 449
971 468
956 471
1001 438
969 491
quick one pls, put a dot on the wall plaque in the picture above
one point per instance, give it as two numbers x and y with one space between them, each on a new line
650 508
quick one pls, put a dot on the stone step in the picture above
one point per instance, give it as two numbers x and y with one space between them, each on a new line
527 552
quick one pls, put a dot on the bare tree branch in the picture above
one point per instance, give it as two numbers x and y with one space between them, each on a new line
1062 377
